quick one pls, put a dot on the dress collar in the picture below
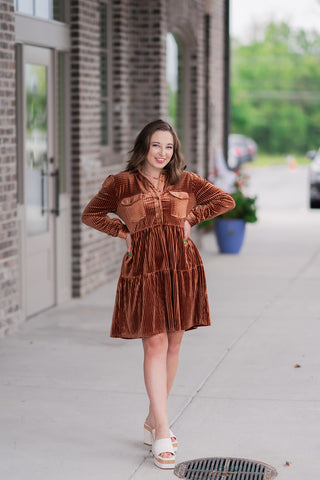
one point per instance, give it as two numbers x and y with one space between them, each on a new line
163 173
161 184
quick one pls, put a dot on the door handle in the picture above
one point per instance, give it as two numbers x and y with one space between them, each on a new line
43 175
56 176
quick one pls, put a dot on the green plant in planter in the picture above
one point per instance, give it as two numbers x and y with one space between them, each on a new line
206 225
245 208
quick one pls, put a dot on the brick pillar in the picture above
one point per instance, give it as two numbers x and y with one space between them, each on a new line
217 71
198 95
9 261
147 62
85 126
122 136
186 20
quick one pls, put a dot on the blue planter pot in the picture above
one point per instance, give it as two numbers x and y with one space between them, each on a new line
230 234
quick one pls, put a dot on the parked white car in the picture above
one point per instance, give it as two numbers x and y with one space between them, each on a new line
223 177
314 179
241 149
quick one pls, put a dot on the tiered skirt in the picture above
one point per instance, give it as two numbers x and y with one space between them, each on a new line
162 285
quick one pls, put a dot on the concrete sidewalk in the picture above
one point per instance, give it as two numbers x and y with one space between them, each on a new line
73 400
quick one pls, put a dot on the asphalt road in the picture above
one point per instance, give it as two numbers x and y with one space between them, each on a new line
279 188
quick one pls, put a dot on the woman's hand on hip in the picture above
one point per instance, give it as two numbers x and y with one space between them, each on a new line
128 240
187 228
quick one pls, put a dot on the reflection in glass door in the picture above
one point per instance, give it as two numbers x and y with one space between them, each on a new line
36 149
39 180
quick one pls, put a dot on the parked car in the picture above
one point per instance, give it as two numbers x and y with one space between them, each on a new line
241 149
222 176
314 179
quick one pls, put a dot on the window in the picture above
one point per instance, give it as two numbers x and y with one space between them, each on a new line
105 71
178 86
49 9
172 78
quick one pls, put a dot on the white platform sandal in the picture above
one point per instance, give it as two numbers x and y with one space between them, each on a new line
163 445
147 434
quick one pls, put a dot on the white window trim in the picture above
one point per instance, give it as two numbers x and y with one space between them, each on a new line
42 32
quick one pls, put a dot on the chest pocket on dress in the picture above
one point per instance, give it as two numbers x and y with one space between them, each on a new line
179 203
133 208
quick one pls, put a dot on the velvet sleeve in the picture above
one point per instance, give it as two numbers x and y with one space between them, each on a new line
95 214
211 201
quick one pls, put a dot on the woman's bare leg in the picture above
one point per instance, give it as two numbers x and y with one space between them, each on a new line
174 343
172 358
155 377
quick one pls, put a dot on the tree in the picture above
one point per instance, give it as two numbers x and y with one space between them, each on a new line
275 89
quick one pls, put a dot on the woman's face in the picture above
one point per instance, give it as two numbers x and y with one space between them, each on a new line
160 151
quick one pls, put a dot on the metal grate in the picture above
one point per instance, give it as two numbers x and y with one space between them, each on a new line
228 468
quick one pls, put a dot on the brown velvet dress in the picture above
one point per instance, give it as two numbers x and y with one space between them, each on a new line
162 286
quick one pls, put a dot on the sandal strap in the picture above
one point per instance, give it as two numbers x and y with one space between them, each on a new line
163 445
149 429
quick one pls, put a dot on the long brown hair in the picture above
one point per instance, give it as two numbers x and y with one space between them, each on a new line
141 148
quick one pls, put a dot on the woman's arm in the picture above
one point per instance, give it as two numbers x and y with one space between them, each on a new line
211 201
95 214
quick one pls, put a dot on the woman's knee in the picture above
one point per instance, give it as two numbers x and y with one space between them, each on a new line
156 345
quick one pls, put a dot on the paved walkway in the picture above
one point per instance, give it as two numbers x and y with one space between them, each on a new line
73 400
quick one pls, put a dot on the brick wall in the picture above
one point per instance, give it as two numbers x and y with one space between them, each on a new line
95 257
85 136
9 273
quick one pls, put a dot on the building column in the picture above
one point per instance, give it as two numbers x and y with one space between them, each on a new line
9 234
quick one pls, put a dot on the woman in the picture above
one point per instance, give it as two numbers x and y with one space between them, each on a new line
161 291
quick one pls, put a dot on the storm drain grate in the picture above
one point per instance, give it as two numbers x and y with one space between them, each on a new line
218 468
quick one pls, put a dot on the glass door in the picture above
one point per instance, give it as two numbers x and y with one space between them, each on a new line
41 188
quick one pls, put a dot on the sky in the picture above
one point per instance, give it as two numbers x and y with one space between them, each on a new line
297 13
